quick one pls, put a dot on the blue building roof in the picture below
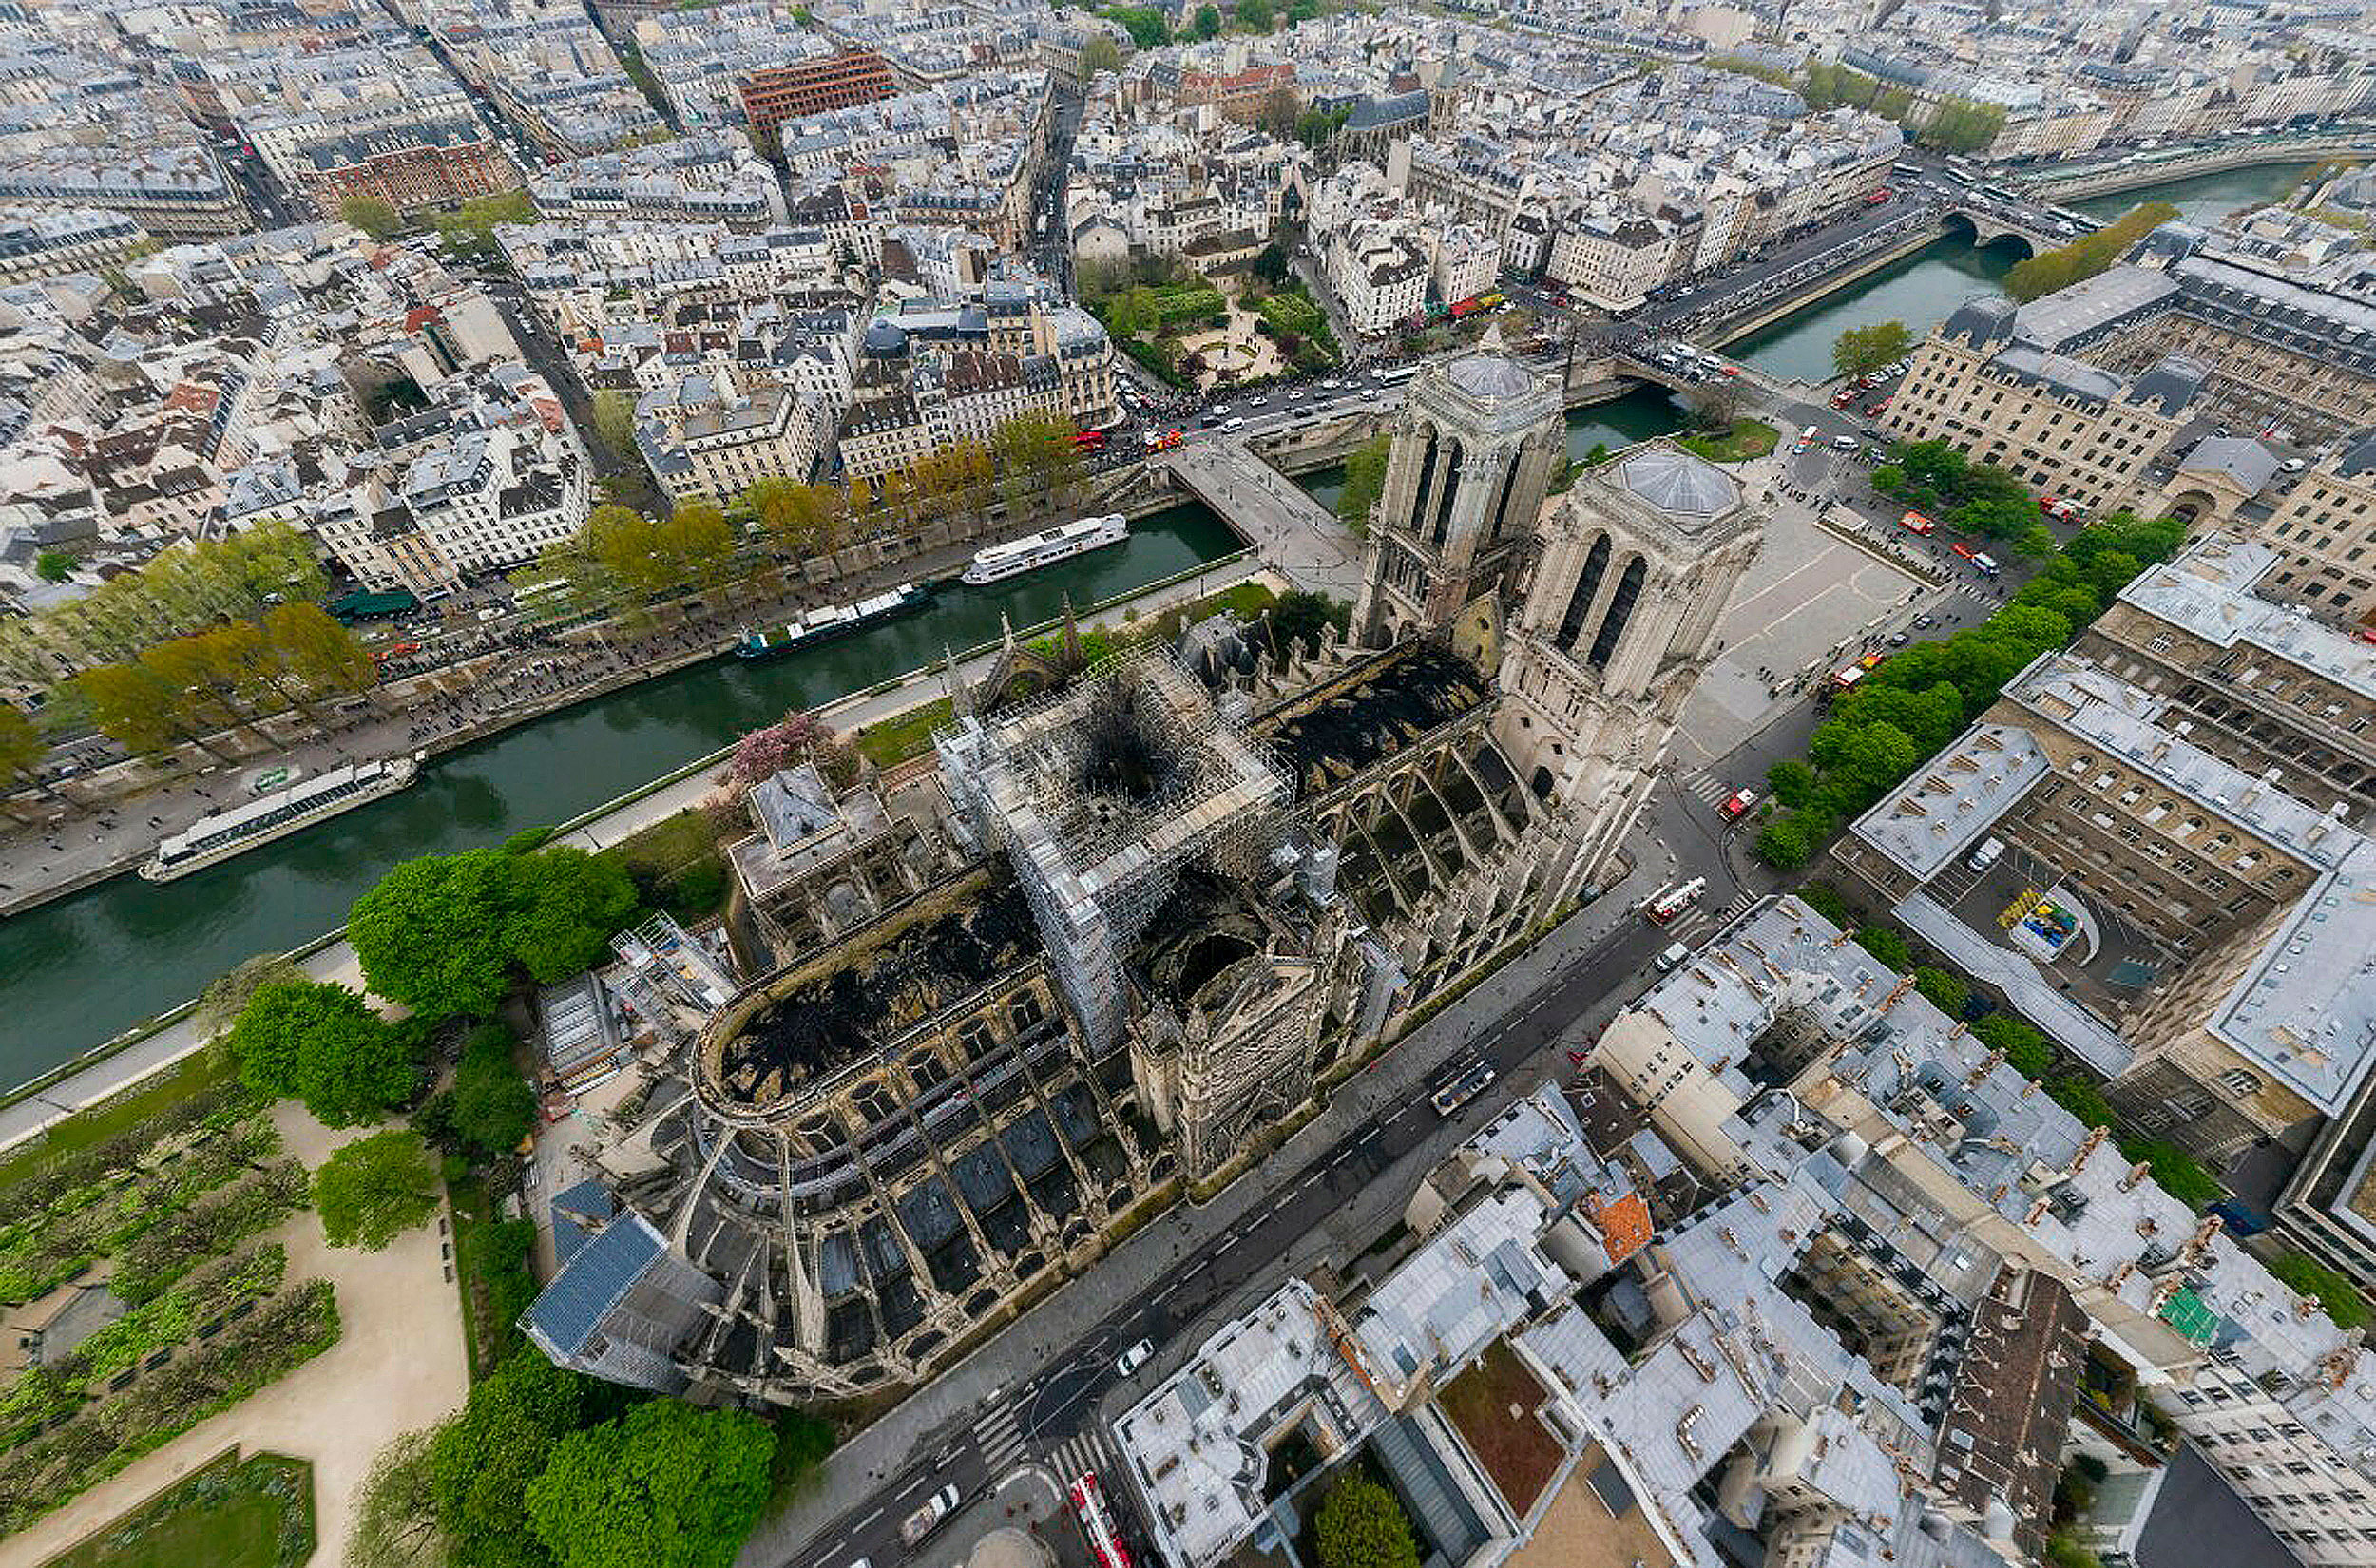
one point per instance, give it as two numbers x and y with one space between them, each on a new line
597 1276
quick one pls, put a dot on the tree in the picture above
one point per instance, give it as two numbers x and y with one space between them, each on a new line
763 753
1145 24
1100 55
1280 108
1208 23
1888 948
1365 481
1862 349
482 1461
1255 14
53 566
2086 256
1784 843
1714 407
1302 617
492 1107
1272 263
565 904
323 1044
2177 1172
614 420
371 215
226 996
375 1188
395 1522
1792 782
432 933
1946 991
667 1485
1360 1526
23 749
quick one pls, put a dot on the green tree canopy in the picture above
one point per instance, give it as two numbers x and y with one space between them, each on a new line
1360 1526
493 1106
396 1523
432 933
371 215
323 1044
375 1188
1099 55
667 1485
614 420
1208 23
1365 481
1255 14
442 933
54 565
2086 256
1860 349
482 1461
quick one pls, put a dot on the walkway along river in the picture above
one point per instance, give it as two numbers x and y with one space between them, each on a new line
81 971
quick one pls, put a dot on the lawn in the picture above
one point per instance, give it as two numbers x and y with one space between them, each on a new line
677 863
1747 438
193 1073
228 1513
895 739
1493 1406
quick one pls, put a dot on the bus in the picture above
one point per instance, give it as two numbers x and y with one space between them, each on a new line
1400 373
1666 905
1089 441
1997 193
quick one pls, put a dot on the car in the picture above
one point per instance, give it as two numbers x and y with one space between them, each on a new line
1844 443
1924 622
1674 958
930 1516
1295 398
2291 465
1134 1358
1898 640
1462 1090
1332 383
1737 803
1259 402
1235 426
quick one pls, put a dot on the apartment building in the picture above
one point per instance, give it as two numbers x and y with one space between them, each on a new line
700 179
1613 262
173 192
713 438
774 94
43 242
1378 269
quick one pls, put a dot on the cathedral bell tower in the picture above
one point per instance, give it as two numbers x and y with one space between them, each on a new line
1638 561
1474 452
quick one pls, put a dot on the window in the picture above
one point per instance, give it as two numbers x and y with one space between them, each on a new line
2240 1084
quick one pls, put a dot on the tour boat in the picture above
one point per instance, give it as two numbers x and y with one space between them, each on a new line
218 836
833 621
1032 552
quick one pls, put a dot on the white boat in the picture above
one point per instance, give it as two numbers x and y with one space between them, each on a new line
1032 552
218 836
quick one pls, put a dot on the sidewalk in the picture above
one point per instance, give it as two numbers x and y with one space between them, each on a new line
1142 1263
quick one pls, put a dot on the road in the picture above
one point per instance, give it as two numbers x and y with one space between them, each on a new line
1038 1395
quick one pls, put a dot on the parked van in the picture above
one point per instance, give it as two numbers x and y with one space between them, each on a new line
1991 850
1673 958
1235 426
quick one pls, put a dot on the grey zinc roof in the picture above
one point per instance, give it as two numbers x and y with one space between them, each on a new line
1676 481
596 1278
1940 812
2072 316
2250 465
1490 375
2061 372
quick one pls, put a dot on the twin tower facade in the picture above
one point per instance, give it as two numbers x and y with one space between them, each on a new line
1595 614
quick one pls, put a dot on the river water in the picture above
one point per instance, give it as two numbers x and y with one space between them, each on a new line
1925 287
80 970
83 969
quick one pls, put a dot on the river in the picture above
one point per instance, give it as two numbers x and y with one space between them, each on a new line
80 970
1925 287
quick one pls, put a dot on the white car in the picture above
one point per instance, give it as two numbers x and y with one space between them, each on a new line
1295 398
1134 1358
1332 384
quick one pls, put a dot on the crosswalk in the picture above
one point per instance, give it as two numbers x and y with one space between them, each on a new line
1707 788
1084 1452
998 1435
1701 919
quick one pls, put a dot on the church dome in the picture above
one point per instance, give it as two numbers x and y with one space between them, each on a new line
1677 483
1490 375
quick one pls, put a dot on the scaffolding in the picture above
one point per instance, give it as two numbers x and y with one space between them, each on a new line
1100 792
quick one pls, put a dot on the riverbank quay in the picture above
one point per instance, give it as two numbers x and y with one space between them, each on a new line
105 1072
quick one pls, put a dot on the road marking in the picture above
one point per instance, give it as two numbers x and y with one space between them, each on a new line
864 1523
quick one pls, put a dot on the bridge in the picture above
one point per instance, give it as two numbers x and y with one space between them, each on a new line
1293 534
1992 222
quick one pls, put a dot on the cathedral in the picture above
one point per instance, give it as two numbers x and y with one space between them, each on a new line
1131 917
